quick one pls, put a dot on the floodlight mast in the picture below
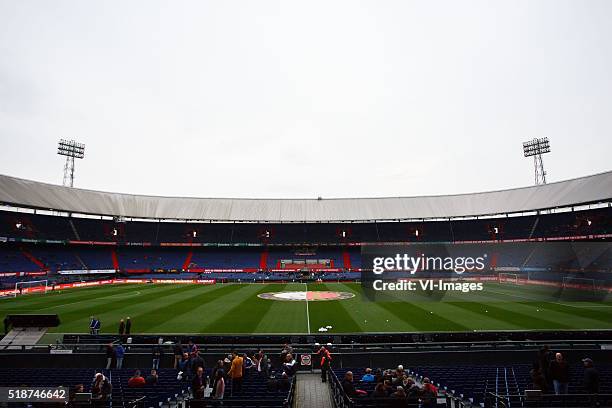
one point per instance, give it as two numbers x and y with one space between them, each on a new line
72 150
536 148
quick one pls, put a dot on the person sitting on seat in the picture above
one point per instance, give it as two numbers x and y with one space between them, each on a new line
368 376
152 378
101 387
136 380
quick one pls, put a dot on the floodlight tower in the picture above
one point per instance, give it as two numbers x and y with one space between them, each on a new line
72 150
536 148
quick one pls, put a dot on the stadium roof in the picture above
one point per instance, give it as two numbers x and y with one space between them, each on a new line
32 194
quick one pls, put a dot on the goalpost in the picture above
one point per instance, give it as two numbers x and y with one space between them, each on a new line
508 278
22 288
579 283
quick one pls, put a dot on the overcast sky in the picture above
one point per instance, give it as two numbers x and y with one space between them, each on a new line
305 99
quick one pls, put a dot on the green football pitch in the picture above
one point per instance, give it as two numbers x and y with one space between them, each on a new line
236 308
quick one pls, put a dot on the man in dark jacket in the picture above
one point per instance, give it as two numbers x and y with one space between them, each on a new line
128 326
198 385
121 327
157 353
197 362
347 385
559 374
591 377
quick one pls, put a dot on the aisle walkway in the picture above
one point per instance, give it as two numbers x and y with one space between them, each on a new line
311 392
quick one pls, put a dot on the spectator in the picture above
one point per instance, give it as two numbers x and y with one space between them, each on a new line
263 363
198 384
119 353
235 373
247 364
219 385
399 393
92 325
121 327
218 367
347 385
325 362
184 366
284 383
110 353
7 324
544 357
192 348
559 374
136 380
378 376
591 377
368 376
101 388
77 389
429 394
349 388
128 326
537 379
158 353
287 349
197 362
379 391
289 366
152 378
178 353
413 392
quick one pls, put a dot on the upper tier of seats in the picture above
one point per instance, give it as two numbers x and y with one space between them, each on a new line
566 224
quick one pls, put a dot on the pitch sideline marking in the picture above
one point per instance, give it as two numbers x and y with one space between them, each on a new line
307 310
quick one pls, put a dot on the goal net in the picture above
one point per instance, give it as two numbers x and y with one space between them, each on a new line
508 278
37 286
579 283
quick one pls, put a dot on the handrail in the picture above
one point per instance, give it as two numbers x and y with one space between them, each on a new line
352 346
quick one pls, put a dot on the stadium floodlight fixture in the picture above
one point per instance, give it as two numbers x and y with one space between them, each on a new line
536 148
71 150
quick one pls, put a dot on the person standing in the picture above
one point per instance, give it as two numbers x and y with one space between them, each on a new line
235 373
198 385
219 388
110 353
97 326
128 326
158 353
121 327
92 324
178 353
325 362
559 374
119 354
591 377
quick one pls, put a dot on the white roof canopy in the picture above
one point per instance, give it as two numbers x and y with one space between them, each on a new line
33 194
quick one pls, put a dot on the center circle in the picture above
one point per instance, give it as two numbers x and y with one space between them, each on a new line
310 296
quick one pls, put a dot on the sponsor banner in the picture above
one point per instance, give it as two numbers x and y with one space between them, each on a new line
305 267
93 243
85 271
60 351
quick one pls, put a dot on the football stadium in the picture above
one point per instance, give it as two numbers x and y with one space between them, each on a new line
322 204
263 275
